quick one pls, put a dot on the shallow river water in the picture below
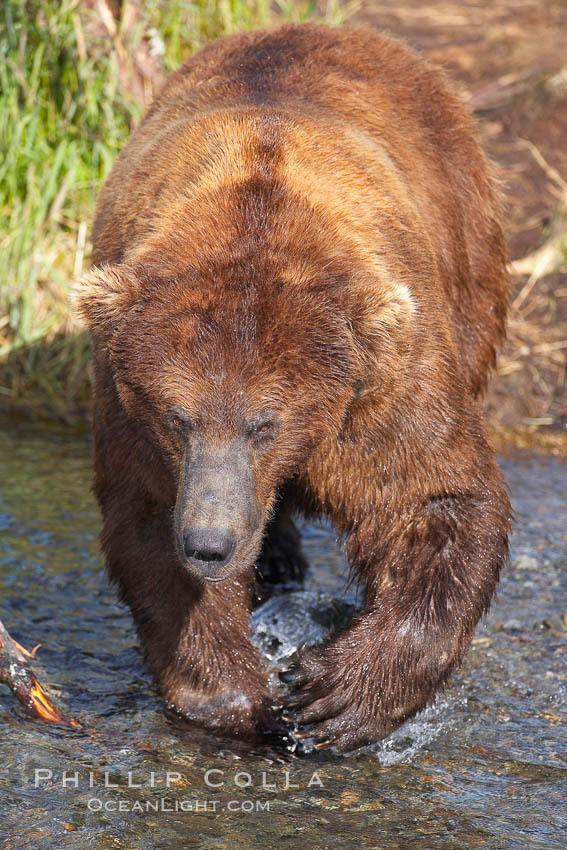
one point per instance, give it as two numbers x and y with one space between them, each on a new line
486 766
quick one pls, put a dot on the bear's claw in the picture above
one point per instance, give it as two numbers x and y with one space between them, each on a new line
288 676
324 698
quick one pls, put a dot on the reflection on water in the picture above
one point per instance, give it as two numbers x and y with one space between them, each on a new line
486 766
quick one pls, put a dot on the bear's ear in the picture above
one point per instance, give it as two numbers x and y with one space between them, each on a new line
103 294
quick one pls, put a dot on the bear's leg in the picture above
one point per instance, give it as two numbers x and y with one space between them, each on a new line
205 665
195 634
281 559
430 567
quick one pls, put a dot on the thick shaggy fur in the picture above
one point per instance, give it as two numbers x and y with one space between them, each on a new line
302 224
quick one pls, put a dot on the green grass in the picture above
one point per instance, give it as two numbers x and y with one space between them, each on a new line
65 113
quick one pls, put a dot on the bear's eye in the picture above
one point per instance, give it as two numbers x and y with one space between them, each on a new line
261 429
180 420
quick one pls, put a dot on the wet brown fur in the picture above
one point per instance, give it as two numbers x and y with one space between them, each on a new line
304 221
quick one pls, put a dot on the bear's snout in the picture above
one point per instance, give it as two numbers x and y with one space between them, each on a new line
218 520
208 549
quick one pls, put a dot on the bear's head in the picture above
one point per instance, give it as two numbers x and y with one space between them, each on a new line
234 376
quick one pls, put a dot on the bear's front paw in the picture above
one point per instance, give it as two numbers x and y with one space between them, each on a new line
229 714
337 698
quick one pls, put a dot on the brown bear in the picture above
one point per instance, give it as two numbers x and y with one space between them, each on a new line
299 284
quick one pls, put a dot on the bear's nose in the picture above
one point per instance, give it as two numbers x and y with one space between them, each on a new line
208 546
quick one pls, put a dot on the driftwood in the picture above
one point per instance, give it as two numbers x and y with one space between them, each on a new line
16 672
